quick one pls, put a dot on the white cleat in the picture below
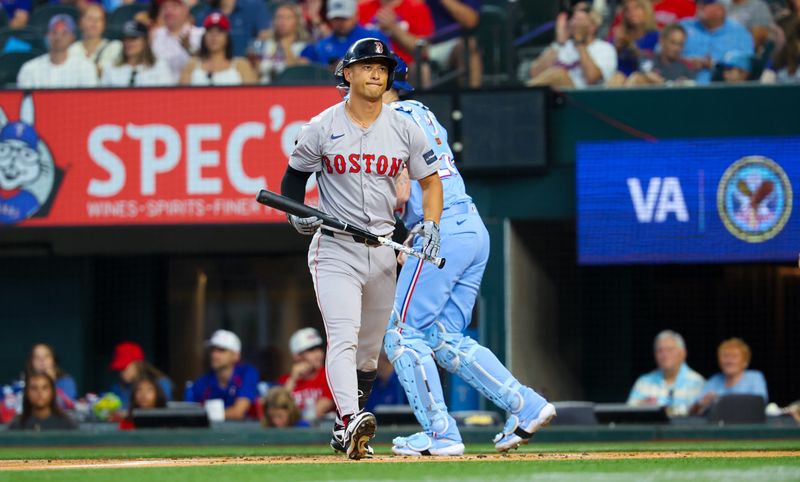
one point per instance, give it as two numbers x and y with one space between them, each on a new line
422 444
519 431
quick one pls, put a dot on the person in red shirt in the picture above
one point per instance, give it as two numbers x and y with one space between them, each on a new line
306 379
666 12
403 21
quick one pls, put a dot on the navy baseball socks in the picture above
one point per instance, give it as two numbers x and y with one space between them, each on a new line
365 382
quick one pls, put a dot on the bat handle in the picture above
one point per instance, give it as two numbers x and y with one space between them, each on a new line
438 262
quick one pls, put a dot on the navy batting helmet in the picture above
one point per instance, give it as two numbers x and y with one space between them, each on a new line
369 49
401 75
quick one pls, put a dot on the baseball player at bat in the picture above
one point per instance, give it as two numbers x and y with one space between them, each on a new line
432 307
356 149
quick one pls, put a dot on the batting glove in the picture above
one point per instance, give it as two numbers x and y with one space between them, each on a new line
307 226
431 242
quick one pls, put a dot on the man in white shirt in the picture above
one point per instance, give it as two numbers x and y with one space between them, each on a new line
577 58
177 40
56 69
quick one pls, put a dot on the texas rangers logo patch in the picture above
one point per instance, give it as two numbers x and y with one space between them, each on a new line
378 47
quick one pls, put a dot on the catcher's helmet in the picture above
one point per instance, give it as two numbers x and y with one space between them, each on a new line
369 49
401 76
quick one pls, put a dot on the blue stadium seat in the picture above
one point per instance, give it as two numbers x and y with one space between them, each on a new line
311 74
123 13
32 36
41 16
11 63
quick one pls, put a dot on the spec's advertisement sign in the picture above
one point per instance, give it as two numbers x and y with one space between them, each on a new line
148 156
689 201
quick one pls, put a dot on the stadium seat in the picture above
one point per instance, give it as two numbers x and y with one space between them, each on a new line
494 41
42 15
198 9
311 74
123 13
30 35
574 413
11 62
3 18
113 32
737 409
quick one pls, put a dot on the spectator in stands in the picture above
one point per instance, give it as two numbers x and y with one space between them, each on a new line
577 58
710 36
784 66
736 67
177 40
405 22
282 49
129 361
734 357
249 20
92 46
387 389
40 411
280 411
135 66
665 12
43 359
314 18
667 67
673 384
215 64
146 393
756 16
18 12
787 19
451 18
55 68
635 38
229 379
343 16
306 379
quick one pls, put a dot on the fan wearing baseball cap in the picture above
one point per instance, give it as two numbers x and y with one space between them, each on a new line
129 362
230 380
307 379
215 63
249 19
56 68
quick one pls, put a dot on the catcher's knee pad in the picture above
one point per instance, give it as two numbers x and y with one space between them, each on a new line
413 361
476 365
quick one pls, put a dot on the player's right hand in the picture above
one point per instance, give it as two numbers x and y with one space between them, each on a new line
306 226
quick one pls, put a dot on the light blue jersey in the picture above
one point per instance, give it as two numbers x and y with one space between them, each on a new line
453 188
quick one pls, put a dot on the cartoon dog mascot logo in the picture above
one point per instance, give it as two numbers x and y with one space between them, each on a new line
28 175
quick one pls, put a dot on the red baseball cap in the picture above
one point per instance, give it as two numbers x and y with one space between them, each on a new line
218 20
126 353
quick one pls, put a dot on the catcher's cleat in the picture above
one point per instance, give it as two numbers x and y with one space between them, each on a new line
520 428
422 443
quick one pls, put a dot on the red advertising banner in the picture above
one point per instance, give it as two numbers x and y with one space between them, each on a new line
148 156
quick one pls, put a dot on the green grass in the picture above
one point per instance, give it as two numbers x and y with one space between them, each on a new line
232 451
700 469
686 470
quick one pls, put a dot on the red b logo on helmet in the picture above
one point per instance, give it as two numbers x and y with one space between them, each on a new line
379 47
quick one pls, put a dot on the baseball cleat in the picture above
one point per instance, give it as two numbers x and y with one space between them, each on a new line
360 428
337 441
423 444
519 429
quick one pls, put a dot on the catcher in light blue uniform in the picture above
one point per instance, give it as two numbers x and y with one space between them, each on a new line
432 308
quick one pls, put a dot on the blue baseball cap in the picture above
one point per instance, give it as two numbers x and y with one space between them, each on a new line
736 59
19 131
67 20
401 76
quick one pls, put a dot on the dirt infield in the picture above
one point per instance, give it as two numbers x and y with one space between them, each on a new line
52 464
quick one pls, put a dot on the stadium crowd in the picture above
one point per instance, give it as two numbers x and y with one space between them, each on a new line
48 397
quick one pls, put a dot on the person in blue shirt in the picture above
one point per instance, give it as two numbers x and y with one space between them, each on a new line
18 12
734 357
343 17
233 382
710 36
673 384
43 359
249 19
129 362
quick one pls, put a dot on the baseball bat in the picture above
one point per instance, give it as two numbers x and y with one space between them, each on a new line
290 206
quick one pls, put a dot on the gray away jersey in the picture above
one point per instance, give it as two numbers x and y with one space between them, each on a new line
356 168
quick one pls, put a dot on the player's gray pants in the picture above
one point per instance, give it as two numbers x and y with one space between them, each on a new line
355 287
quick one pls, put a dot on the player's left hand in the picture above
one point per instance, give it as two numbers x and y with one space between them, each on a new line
307 226
431 243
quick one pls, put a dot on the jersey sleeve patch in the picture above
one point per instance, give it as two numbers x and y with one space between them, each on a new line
430 157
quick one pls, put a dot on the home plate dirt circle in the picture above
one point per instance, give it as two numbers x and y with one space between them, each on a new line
54 464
